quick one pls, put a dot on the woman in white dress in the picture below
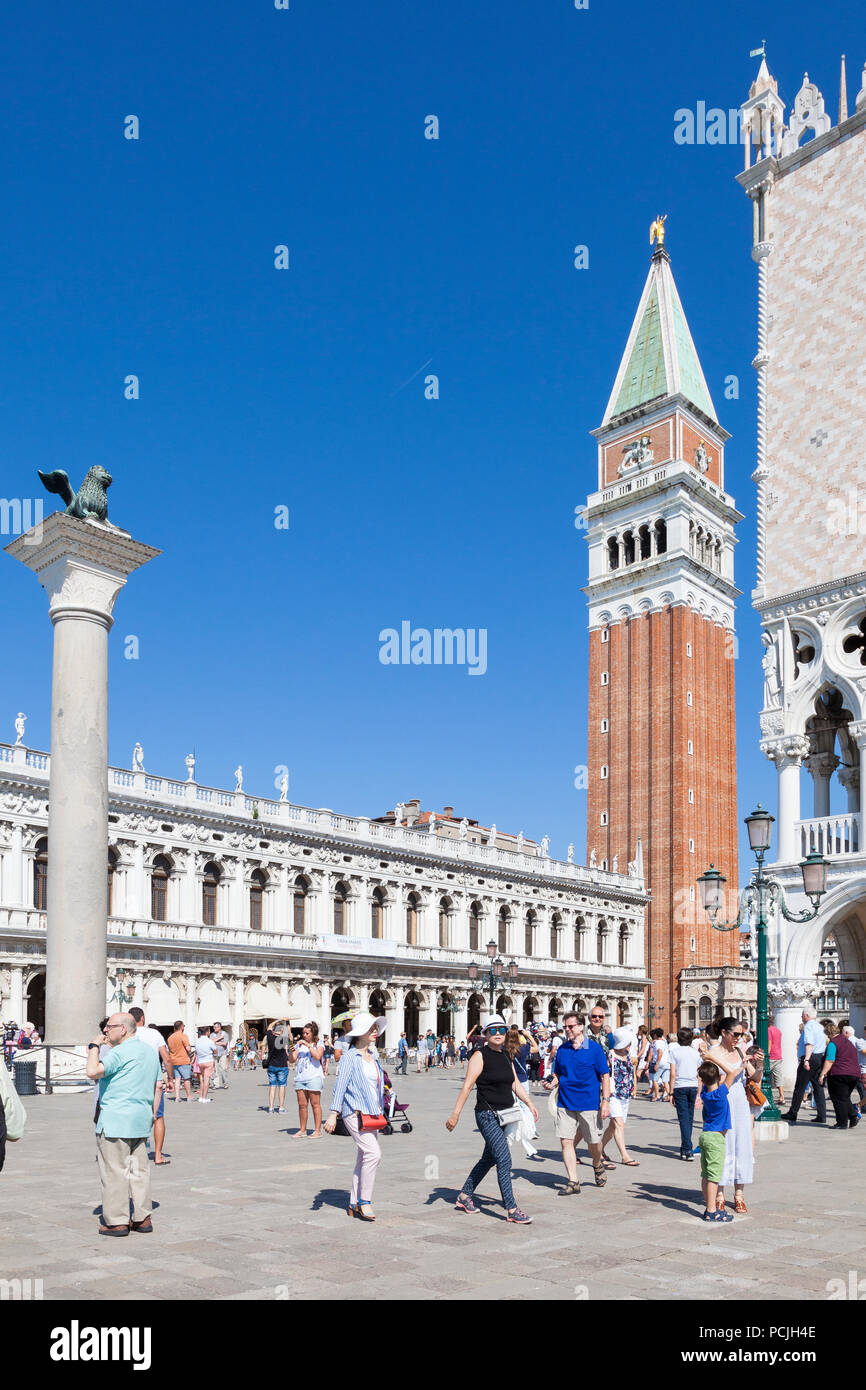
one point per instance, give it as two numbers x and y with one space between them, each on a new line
739 1156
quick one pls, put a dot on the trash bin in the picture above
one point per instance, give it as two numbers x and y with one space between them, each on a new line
24 1077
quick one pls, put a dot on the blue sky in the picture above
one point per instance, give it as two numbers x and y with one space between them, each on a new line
262 388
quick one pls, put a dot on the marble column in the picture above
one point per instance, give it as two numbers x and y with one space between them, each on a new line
821 767
17 887
237 1007
786 1000
393 1018
16 997
788 753
82 566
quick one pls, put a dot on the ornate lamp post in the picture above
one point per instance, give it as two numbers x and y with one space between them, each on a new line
121 995
492 977
759 892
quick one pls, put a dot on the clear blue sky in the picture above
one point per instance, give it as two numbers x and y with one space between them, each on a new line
261 388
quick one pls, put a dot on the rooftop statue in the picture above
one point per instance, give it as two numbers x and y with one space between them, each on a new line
657 230
90 501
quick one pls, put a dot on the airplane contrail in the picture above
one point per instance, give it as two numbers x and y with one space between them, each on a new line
412 377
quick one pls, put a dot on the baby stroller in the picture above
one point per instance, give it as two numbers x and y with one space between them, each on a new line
393 1107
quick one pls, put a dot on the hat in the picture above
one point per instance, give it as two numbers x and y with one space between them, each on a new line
494 1021
622 1037
362 1023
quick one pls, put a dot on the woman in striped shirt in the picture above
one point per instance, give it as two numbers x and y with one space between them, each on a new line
360 1087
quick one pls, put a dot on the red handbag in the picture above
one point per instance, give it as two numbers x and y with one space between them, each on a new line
369 1123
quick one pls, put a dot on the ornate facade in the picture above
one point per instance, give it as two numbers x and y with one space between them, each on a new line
809 242
224 906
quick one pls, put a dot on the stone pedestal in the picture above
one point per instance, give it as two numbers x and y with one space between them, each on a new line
82 566
771 1131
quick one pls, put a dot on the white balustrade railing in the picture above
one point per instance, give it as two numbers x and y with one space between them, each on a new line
173 795
830 835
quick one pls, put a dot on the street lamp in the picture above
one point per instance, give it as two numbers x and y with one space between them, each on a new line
759 891
121 995
491 978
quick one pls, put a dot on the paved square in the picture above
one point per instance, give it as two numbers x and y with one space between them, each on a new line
246 1211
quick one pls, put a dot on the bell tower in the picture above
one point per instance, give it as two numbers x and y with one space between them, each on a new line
661 755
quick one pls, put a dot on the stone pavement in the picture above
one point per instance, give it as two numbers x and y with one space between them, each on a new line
245 1211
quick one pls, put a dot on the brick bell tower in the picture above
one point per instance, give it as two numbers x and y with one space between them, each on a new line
661 756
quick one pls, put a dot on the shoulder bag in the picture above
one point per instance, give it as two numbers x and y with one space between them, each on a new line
369 1123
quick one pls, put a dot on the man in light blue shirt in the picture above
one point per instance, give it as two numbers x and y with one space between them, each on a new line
129 1095
810 1055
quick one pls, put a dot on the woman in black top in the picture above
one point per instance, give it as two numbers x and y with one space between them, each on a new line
492 1074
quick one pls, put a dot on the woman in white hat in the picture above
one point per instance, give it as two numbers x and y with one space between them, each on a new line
492 1072
623 1061
359 1095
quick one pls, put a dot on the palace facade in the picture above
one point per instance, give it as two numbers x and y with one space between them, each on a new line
224 906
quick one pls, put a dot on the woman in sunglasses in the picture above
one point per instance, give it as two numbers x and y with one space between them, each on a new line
729 1053
491 1072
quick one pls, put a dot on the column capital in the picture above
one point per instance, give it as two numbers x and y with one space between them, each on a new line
821 765
788 750
81 565
857 730
791 994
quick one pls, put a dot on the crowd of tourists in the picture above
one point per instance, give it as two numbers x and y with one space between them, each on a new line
588 1074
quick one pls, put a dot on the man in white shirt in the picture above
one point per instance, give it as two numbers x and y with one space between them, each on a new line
155 1040
810 1054
219 1038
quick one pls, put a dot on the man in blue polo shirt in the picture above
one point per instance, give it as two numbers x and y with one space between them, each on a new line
810 1060
582 1076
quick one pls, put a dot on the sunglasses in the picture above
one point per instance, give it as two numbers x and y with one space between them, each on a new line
497 1030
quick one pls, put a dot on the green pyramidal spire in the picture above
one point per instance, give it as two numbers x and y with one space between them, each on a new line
660 358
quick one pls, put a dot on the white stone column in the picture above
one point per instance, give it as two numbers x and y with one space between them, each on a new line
786 1000
393 1018
191 1006
17 887
82 566
324 1010
16 996
857 1009
427 1012
849 778
821 768
788 753
237 988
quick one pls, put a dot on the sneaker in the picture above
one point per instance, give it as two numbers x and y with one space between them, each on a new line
281 1110
270 1110
519 1217
465 1203
205 1101
690 1158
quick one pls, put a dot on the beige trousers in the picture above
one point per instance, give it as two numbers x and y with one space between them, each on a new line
124 1173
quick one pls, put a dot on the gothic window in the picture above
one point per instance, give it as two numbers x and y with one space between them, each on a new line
661 531
628 548
412 919
503 931
474 926
340 896
209 886
113 860
160 874
40 876
613 553
444 910
804 654
528 933
299 905
257 898
645 542
377 912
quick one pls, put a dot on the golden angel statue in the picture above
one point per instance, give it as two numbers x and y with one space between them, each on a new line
657 230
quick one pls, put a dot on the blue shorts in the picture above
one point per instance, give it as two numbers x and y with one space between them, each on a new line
161 1110
278 1076
183 1070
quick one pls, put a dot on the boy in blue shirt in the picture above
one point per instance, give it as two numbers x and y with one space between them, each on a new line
717 1122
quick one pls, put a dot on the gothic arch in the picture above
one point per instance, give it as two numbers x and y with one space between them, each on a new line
843 912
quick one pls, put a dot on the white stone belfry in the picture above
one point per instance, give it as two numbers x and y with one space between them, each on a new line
82 566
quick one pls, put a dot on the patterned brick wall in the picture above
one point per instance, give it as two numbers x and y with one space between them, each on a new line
646 792
817 337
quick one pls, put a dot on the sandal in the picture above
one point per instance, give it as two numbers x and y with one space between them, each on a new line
630 1163
570 1189
739 1206
600 1176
